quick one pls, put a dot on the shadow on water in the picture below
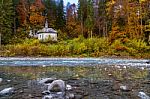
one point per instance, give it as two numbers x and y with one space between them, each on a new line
97 82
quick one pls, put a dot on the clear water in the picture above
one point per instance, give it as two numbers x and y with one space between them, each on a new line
71 62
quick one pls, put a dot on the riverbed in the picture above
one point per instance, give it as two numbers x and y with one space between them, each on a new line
91 78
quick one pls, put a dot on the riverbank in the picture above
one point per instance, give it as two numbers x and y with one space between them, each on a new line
87 82
78 47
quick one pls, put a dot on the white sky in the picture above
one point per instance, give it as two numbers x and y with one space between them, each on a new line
71 1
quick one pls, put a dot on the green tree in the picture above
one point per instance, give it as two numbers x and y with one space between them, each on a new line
60 15
89 23
6 21
50 11
82 13
102 18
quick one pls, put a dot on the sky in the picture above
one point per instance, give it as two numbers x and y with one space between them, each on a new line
71 1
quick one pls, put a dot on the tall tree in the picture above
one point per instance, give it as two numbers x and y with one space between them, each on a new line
60 15
36 18
89 23
72 24
102 18
50 11
82 13
6 21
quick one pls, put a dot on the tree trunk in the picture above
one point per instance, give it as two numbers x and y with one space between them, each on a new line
91 34
15 25
0 41
82 25
106 30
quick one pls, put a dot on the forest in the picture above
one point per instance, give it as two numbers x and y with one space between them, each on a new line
91 28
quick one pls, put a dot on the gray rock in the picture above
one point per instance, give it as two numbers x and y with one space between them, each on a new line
124 88
7 91
46 80
8 80
143 95
46 92
70 96
1 80
48 97
57 83
68 87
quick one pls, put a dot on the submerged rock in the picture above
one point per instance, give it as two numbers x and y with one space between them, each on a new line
143 95
7 91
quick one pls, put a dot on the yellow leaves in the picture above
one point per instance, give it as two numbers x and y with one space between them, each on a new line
113 1
33 8
36 19
141 1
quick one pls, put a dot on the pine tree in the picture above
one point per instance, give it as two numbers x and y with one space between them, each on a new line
89 23
82 13
60 15
6 20
102 18
50 11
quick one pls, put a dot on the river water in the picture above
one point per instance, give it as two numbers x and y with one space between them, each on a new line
91 78
72 62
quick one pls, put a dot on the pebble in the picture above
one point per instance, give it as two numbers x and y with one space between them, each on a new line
43 65
109 74
124 67
7 91
71 96
124 88
117 66
48 97
1 80
142 68
68 87
8 80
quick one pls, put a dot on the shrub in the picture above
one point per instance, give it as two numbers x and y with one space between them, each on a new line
138 45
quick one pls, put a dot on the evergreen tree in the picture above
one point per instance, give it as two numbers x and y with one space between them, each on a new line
6 20
82 13
102 18
60 15
50 11
89 23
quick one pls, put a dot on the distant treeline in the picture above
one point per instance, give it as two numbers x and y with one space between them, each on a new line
121 20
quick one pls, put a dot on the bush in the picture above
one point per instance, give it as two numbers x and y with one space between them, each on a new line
138 45
80 47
